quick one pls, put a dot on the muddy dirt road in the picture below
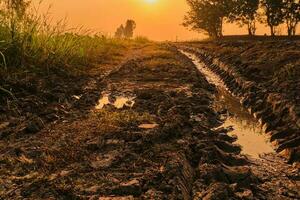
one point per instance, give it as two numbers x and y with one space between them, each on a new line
266 77
156 131
252 137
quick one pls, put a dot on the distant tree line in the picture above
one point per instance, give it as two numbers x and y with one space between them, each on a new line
127 30
208 16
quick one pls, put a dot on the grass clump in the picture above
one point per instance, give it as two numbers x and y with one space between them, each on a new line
141 40
288 71
109 121
29 39
123 117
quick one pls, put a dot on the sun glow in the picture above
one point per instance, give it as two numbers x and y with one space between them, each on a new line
150 1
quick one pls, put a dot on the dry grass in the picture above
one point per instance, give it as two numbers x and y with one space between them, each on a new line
32 41
115 120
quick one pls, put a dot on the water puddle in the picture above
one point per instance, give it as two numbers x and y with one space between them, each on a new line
116 101
247 129
148 126
211 77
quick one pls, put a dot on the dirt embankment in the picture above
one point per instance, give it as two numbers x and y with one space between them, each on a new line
107 154
32 97
162 144
266 76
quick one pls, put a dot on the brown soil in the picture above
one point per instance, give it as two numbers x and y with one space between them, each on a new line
266 75
274 64
85 153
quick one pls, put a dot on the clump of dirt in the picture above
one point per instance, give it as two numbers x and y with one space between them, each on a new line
265 75
31 97
274 64
106 153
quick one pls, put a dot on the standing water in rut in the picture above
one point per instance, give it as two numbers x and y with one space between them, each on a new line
247 129
117 101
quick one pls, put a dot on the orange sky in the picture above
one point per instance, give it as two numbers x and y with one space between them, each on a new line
158 21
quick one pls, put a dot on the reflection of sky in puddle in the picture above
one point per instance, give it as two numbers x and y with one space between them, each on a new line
148 126
250 137
210 76
248 130
118 101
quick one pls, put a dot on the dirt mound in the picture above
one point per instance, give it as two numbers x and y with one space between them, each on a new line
161 143
265 76
107 154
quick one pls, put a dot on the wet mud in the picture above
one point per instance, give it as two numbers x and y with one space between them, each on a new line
166 141
251 135
249 132
118 101
276 113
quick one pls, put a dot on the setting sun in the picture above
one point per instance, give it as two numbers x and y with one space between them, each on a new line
150 1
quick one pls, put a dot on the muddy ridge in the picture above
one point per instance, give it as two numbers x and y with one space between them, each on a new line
278 115
149 130
106 154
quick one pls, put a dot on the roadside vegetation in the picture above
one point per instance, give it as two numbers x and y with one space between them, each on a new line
45 67
32 45
28 39
127 30
208 16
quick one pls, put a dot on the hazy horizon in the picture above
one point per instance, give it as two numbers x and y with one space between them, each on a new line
156 19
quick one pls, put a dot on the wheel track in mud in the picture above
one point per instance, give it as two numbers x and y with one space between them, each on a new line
211 166
182 159
276 114
278 179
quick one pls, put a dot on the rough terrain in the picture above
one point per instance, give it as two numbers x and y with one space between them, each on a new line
265 75
162 144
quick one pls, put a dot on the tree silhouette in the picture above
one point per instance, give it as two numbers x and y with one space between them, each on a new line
291 15
129 28
208 16
127 31
245 14
274 13
120 32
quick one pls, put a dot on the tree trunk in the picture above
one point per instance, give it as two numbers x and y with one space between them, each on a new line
213 34
219 28
295 29
289 27
249 29
249 32
272 30
290 31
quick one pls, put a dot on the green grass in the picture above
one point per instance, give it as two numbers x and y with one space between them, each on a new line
32 41
114 120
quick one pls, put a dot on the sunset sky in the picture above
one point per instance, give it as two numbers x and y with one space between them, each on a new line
156 19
